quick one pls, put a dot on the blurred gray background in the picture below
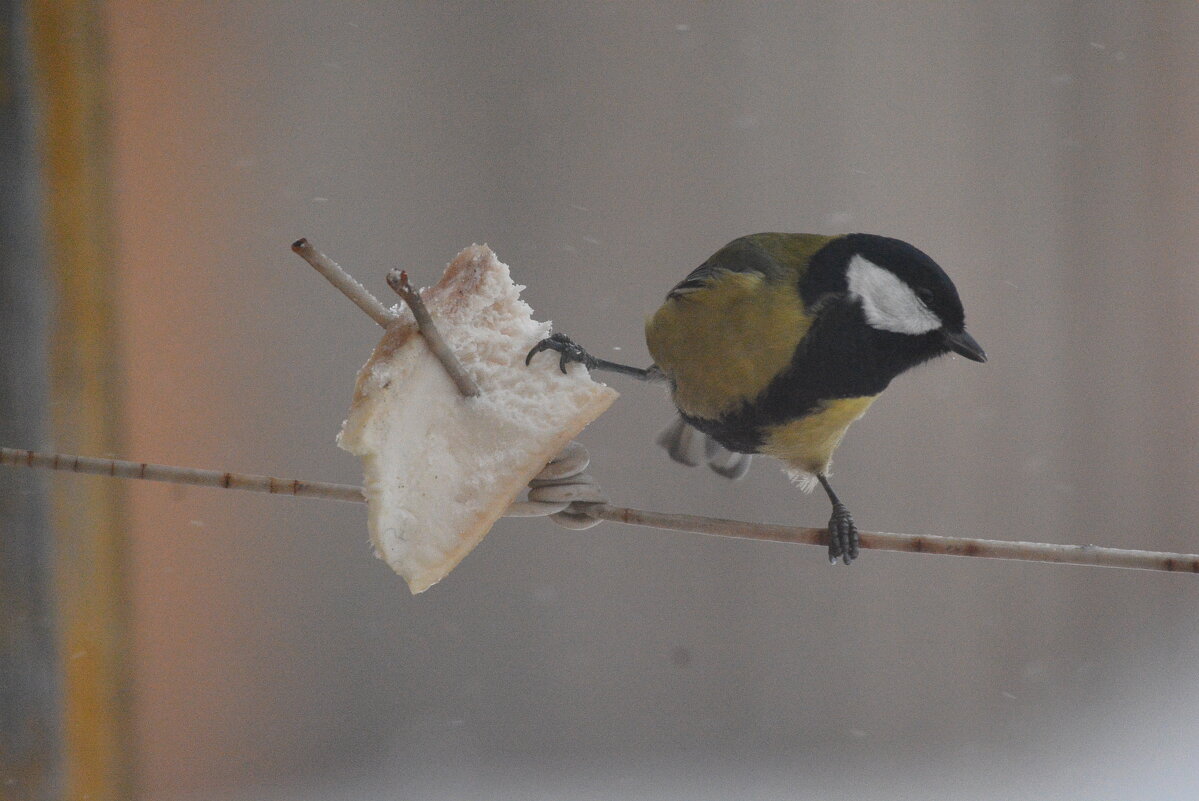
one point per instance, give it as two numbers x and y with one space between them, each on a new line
1044 154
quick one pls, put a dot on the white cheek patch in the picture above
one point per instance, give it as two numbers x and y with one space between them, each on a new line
889 303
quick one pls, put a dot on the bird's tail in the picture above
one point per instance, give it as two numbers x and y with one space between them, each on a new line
688 446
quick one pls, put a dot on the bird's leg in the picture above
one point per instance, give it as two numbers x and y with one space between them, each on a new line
842 532
570 352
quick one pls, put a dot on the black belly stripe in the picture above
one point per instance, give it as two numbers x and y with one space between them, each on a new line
841 357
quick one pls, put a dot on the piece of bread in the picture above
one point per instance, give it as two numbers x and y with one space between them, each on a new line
440 468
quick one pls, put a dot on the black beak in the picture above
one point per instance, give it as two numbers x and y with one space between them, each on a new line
962 343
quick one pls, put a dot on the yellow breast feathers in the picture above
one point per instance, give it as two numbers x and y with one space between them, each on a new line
807 444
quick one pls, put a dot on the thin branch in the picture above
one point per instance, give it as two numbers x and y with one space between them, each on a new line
182 475
398 280
953 546
1093 555
345 282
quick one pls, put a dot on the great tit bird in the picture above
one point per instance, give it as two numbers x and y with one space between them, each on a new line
778 342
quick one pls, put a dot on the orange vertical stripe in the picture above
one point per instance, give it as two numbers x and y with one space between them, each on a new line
68 51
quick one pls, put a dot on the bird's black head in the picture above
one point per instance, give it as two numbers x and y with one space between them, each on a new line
903 293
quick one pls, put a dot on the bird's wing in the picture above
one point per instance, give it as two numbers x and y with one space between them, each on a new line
729 327
743 255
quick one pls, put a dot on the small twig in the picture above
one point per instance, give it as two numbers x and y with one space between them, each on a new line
345 282
953 546
398 280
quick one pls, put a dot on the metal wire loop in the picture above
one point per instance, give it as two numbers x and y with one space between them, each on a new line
560 490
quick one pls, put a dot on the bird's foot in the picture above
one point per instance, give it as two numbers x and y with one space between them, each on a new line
568 350
842 536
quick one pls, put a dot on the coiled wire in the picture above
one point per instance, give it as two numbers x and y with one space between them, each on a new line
559 487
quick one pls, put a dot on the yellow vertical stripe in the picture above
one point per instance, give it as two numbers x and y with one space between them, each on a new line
67 45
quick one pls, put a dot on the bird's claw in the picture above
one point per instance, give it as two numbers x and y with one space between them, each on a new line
565 346
842 536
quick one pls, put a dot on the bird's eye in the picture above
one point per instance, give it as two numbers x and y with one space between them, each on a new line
925 294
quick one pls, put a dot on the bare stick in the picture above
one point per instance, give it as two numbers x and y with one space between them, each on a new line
182 475
398 280
953 546
911 543
345 282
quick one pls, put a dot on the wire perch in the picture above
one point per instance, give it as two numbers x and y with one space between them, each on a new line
573 499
